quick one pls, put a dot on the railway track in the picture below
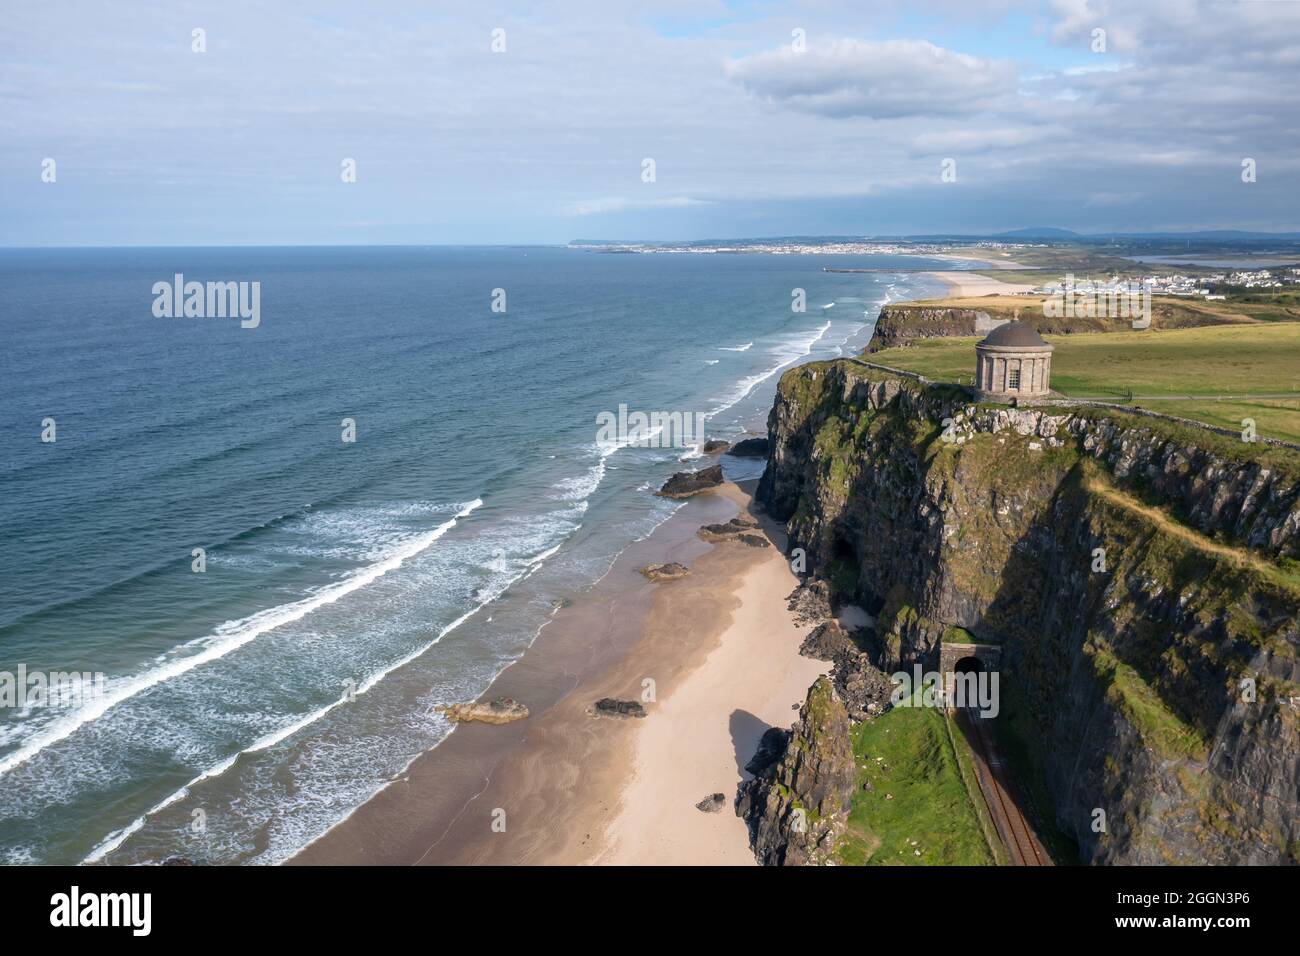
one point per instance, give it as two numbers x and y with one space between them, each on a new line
1022 844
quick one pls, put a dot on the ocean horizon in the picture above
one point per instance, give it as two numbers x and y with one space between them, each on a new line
391 486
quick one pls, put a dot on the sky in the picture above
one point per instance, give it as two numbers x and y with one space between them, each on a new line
761 119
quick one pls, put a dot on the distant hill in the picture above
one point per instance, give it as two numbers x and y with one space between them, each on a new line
1039 232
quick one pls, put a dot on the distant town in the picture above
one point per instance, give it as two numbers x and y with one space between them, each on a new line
793 247
1204 286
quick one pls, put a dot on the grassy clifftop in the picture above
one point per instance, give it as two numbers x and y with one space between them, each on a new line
1136 579
1219 376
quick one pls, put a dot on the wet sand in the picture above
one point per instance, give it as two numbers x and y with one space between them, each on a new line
564 786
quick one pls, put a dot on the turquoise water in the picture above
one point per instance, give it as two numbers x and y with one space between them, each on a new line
349 586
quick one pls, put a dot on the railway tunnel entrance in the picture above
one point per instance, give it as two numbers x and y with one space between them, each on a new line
967 671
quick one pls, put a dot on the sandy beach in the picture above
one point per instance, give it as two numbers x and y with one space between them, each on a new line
567 787
705 731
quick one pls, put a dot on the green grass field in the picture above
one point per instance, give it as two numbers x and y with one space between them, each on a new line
1157 367
918 810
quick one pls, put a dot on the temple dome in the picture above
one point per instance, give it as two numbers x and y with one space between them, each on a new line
1015 335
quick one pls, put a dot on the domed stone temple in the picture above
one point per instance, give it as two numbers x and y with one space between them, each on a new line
1012 362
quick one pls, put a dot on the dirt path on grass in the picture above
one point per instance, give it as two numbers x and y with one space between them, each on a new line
1239 556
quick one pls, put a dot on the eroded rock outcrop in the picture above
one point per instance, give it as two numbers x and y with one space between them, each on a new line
798 804
750 448
671 571
726 530
740 529
683 484
826 640
609 707
502 710
810 602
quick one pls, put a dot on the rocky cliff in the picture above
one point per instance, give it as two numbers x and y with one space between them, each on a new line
1140 575
797 804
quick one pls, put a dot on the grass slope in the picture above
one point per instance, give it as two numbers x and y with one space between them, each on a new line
918 810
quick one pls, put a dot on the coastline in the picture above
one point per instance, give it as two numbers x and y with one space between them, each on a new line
722 650
981 260
573 788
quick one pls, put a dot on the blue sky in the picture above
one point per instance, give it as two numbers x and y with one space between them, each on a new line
156 144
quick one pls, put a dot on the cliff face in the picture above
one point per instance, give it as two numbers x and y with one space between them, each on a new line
900 324
1135 572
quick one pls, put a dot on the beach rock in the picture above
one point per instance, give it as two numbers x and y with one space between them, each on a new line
753 540
715 446
827 640
177 861
686 483
609 707
750 448
728 530
712 803
810 602
671 571
797 807
502 710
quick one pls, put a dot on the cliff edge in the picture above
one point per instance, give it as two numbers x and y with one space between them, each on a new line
1140 576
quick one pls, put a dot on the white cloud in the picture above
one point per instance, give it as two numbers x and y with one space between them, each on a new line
879 79
595 207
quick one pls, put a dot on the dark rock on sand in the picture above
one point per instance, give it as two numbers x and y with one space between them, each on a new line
810 603
686 483
665 572
503 710
609 707
753 540
728 530
750 448
712 803
827 640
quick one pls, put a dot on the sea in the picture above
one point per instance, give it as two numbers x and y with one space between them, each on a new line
268 613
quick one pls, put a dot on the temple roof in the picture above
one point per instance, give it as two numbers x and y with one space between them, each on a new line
1018 335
